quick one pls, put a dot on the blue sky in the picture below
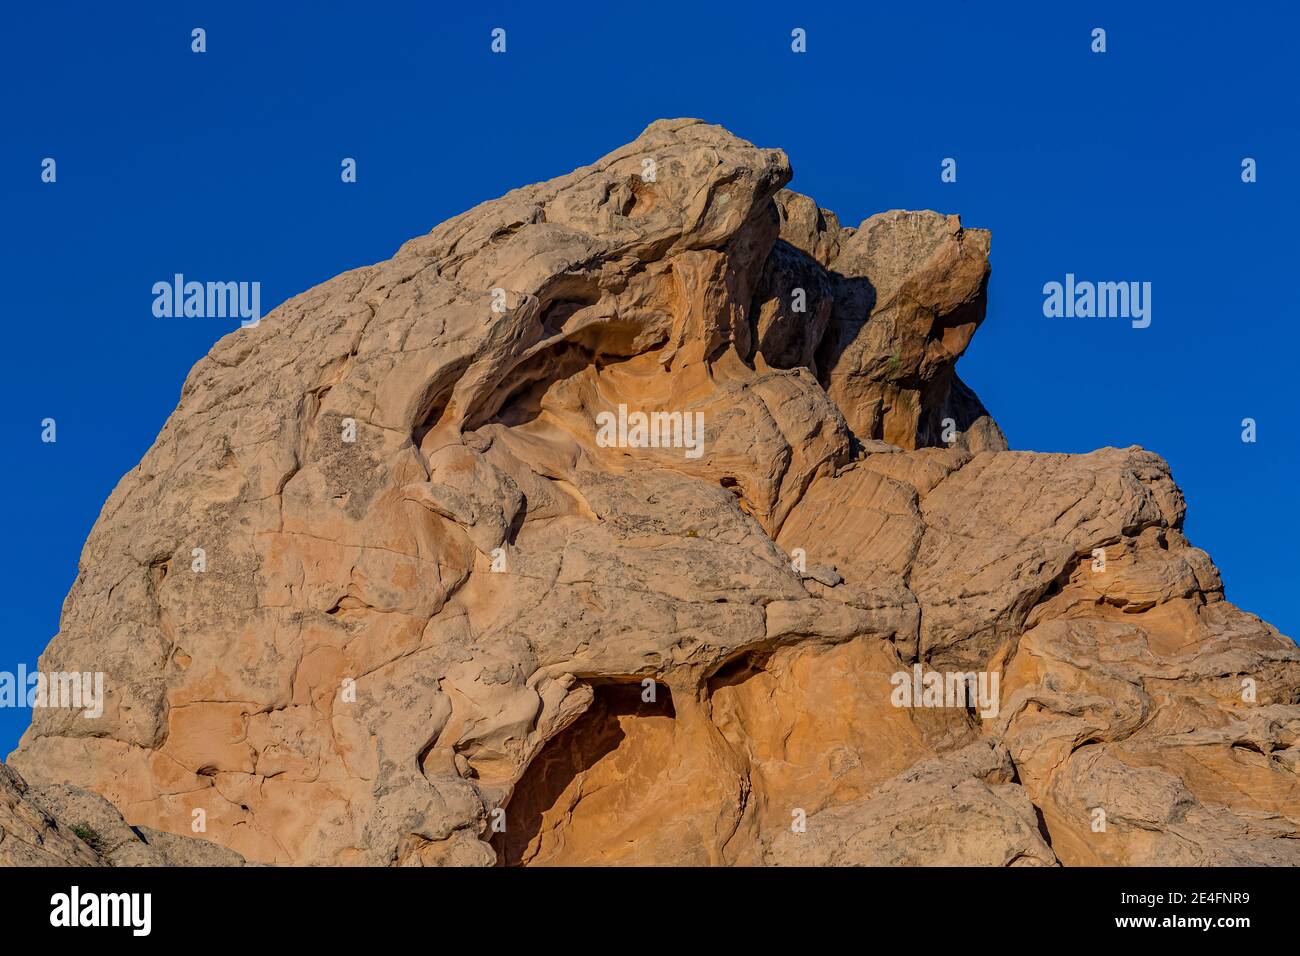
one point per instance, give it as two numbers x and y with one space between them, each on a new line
1117 166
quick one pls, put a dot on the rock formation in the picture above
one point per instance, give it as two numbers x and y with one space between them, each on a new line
435 567
36 830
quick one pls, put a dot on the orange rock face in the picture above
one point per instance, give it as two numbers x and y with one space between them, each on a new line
639 517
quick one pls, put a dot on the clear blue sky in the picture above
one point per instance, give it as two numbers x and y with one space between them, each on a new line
225 165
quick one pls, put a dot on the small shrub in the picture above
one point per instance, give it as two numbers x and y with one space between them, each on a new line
89 835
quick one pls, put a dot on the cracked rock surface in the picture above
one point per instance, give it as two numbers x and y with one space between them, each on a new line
61 825
440 621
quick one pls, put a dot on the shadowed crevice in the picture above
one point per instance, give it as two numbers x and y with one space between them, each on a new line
572 752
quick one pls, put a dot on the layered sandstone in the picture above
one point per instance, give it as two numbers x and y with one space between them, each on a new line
439 622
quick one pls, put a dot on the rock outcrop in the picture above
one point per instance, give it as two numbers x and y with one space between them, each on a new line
37 829
634 517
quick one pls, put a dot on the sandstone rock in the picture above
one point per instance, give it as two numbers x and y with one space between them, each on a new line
958 809
60 825
598 526
30 836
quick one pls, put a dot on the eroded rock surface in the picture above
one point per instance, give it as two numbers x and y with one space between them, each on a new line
61 825
400 584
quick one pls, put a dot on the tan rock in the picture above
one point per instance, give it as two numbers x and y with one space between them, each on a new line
604 524
61 825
